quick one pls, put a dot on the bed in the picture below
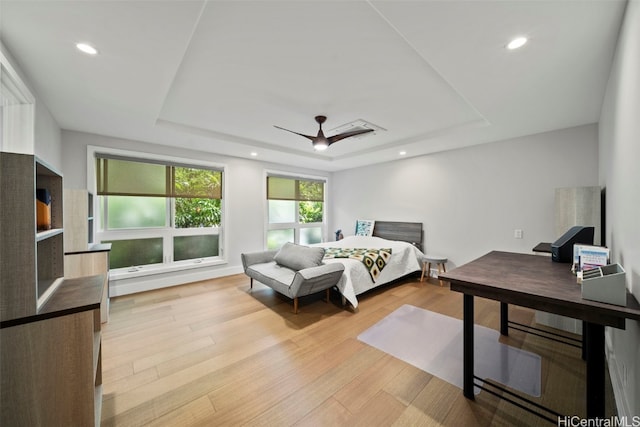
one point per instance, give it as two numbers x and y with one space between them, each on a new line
405 241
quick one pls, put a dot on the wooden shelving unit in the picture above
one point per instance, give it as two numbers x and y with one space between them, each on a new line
50 357
82 256
49 243
17 236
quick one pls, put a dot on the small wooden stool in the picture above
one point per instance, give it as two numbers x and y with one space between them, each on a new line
426 265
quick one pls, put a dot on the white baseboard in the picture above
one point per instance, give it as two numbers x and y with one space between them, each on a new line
119 287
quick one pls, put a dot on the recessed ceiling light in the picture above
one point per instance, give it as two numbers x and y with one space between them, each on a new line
517 43
254 154
402 153
87 48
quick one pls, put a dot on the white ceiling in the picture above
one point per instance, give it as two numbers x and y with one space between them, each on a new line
217 75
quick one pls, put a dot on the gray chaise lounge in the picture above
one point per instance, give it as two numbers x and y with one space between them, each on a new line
293 270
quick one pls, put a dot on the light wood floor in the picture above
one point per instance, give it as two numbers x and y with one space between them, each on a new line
214 353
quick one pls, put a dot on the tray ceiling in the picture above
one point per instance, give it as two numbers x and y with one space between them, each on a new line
216 76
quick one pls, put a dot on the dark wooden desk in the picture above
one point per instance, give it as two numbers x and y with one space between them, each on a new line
542 248
537 282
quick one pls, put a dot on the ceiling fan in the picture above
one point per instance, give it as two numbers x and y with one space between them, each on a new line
321 142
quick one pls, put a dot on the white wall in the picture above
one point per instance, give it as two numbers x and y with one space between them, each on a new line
471 200
620 174
244 202
47 134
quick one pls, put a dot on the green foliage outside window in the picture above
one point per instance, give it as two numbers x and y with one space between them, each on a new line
311 190
197 212
192 213
193 182
310 212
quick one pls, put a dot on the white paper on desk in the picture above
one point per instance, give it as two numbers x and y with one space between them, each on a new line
588 257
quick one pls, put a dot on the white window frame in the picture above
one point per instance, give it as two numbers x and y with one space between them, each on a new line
168 231
297 226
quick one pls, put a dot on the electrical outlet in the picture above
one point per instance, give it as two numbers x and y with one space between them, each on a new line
517 233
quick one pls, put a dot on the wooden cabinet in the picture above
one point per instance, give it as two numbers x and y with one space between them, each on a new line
49 242
50 340
51 362
17 236
32 261
78 219
76 216
92 261
82 256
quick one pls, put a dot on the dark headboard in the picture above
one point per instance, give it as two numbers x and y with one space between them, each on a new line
404 231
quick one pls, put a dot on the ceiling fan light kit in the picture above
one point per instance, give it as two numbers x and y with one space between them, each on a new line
321 142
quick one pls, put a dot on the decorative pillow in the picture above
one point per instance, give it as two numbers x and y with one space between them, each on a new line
364 227
298 257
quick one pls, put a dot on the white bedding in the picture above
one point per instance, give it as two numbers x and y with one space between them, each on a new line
405 259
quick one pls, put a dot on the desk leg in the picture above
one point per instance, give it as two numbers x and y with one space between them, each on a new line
595 370
504 318
467 333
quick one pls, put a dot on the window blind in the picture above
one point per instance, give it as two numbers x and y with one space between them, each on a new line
118 176
286 188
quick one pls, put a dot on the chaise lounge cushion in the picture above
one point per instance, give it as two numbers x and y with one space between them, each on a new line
298 257
277 277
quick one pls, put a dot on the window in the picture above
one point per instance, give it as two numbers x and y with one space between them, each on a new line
158 213
295 210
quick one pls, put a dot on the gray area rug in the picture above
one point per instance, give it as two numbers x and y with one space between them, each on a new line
433 342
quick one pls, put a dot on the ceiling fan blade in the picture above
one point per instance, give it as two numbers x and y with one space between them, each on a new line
301 134
338 137
320 142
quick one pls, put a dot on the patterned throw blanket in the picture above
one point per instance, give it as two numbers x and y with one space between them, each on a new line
373 259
